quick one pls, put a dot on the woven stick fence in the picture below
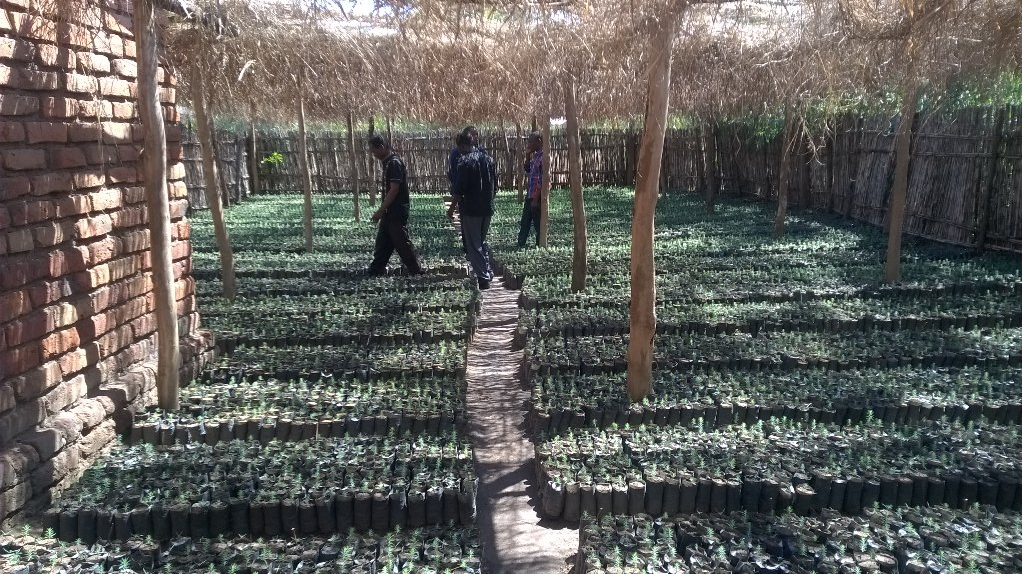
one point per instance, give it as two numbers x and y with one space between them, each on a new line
965 183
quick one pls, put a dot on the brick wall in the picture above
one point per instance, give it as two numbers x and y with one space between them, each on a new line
77 332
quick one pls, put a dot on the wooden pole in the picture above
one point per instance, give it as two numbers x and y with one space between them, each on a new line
253 154
544 199
371 172
985 200
710 164
353 167
784 171
518 178
579 264
509 156
390 132
303 163
209 172
642 310
899 194
154 161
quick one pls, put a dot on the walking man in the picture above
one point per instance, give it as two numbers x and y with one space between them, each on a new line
475 184
530 209
393 213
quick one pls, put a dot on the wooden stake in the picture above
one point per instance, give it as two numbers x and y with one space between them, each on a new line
784 172
371 168
642 310
710 164
517 176
353 167
899 195
390 132
209 172
544 199
303 163
509 179
154 160
579 263
253 155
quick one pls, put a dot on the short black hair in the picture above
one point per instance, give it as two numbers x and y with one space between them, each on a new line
469 130
463 139
536 136
378 141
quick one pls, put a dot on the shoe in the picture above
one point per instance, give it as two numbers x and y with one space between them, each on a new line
484 284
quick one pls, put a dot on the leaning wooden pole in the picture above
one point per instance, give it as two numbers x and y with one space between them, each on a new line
518 176
154 162
899 194
353 168
303 163
784 172
642 310
209 173
544 198
253 153
579 262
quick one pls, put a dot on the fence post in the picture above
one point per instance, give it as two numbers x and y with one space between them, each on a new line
987 191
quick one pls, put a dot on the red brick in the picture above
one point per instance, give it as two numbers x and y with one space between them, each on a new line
64 158
168 95
174 134
46 132
15 361
92 62
14 187
117 23
73 205
178 190
60 315
53 233
39 210
129 153
24 159
36 382
129 217
67 261
125 267
130 49
81 84
5 22
11 132
90 132
65 394
36 80
94 226
34 27
86 179
31 327
133 195
57 107
116 132
59 342
103 250
101 154
92 278
54 57
176 171
47 292
73 361
11 49
74 36
5 218
136 240
123 110
108 44
7 401
13 304
19 240
118 175
125 68
105 199
17 105
59 181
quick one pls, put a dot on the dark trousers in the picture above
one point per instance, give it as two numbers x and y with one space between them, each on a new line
530 218
473 237
393 236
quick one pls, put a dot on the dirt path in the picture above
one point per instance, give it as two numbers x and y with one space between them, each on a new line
515 539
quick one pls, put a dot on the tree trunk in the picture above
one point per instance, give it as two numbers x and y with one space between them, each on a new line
253 155
353 168
642 311
519 181
209 172
154 161
899 195
784 173
579 264
700 155
303 164
544 199
710 164
984 203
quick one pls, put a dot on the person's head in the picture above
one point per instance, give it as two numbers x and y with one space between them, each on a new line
473 133
379 146
464 142
535 142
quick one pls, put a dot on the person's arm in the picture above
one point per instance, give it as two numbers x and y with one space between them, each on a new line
456 193
392 190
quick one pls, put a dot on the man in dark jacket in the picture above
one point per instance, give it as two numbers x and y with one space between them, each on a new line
475 184
393 213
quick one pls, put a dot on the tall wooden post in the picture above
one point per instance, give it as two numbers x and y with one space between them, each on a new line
784 171
353 168
209 172
253 153
899 194
984 203
390 131
544 199
642 310
509 156
303 163
710 165
579 263
518 177
154 161
371 168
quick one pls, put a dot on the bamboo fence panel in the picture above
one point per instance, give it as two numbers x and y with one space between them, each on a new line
1005 223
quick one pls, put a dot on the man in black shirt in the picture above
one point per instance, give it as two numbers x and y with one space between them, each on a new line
393 213
474 187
